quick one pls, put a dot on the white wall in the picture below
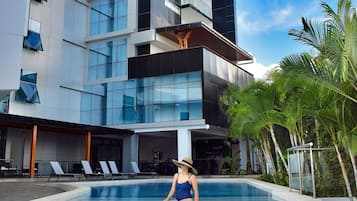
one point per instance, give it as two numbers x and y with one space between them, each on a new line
13 20
190 15
60 64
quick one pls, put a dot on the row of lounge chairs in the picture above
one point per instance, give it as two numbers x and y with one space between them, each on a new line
88 172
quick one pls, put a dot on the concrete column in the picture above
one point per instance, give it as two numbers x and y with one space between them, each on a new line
184 143
130 151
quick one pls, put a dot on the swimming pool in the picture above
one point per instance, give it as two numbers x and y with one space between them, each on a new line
158 191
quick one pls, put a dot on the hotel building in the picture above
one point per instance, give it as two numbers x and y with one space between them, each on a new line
123 80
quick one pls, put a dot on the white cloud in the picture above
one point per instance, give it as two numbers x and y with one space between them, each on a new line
269 20
286 17
259 71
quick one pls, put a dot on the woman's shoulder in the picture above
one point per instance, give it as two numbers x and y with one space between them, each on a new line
192 176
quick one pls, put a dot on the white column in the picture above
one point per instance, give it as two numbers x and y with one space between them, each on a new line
130 151
184 146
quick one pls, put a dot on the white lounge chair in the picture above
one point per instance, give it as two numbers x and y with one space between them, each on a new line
58 172
137 171
88 170
115 171
105 169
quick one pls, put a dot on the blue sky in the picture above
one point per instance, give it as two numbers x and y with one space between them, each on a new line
263 27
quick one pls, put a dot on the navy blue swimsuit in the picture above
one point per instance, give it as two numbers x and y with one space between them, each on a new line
183 190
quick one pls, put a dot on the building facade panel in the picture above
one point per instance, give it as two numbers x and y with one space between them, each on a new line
79 52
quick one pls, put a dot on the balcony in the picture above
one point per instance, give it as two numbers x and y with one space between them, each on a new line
187 60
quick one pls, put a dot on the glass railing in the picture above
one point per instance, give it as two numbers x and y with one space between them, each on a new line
223 69
200 5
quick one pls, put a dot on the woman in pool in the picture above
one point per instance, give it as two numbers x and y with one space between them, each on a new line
185 181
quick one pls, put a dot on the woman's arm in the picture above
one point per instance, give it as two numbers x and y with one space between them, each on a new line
173 188
195 188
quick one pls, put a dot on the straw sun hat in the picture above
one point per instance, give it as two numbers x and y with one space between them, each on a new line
187 162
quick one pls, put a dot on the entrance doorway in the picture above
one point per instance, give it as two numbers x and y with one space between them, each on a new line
105 149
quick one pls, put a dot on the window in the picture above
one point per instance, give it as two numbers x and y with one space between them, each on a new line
143 15
107 59
4 103
142 49
107 16
28 92
33 39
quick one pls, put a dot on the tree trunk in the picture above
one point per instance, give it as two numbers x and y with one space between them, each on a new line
249 161
291 135
268 157
261 160
353 164
277 147
344 173
317 126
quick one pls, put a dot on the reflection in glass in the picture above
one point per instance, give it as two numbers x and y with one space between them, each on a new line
107 16
154 99
107 59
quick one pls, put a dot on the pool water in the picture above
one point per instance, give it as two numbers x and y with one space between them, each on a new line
158 191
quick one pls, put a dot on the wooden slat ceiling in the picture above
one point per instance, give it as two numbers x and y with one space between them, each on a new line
202 35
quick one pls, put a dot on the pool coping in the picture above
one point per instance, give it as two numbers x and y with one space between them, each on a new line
280 193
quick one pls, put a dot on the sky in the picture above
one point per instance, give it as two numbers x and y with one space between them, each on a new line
263 27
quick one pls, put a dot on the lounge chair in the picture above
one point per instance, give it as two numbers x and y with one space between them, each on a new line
115 171
105 169
137 171
7 167
58 172
88 170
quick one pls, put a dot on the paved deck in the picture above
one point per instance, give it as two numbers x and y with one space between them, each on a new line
26 189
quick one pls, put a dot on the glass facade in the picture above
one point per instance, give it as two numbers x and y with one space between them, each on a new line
225 70
223 18
107 59
107 16
151 99
164 13
155 99
93 104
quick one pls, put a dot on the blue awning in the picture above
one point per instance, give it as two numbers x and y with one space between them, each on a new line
33 41
28 92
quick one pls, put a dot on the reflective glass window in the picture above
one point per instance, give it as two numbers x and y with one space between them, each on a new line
108 15
107 59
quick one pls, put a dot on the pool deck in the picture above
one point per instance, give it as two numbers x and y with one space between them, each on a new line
21 189
40 189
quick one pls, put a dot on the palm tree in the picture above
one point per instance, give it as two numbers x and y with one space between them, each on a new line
252 110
